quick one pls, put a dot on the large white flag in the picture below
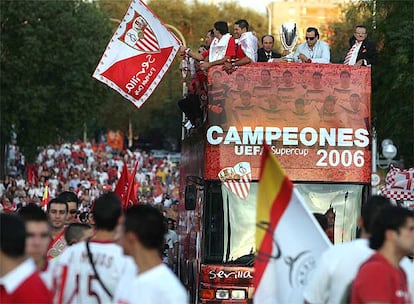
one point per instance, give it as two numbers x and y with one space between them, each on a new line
138 55
289 241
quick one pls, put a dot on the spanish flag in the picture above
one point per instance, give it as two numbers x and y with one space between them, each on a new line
289 241
46 196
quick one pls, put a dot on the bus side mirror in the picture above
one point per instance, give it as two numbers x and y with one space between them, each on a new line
190 197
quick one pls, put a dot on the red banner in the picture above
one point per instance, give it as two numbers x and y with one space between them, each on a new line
115 139
138 55
314 117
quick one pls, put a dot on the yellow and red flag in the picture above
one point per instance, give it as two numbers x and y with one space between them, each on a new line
46 196
288 239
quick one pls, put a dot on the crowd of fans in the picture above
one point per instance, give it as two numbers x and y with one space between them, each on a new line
89 170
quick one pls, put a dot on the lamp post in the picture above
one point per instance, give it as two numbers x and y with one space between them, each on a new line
381 161
389 151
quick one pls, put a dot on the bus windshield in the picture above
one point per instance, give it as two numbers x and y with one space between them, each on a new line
230 218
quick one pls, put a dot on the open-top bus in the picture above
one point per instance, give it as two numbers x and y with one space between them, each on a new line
316 120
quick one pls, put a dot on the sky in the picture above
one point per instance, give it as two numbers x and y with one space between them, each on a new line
257 5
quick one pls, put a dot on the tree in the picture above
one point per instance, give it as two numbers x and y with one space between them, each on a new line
49 50
393 78
390 24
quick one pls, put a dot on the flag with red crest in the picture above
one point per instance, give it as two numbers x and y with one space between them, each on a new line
138 55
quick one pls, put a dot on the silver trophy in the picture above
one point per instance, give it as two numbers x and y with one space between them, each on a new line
288 38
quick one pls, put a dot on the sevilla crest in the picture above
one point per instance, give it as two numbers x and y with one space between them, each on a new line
140 36
237 179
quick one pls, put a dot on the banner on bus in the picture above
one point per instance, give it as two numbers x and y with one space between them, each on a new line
316 118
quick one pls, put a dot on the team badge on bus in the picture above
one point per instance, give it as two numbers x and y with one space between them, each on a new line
237 179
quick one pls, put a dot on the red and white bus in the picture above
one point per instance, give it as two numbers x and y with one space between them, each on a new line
316 120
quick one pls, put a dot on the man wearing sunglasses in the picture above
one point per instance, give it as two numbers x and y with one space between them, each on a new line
361 52
72 200
313 50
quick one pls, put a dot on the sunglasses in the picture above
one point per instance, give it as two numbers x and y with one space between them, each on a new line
310 38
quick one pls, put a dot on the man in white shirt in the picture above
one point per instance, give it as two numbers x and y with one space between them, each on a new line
339 265
246 39
89 272
143 237
246 46
313 50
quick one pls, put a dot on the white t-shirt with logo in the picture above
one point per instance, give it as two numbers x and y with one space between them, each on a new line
76 279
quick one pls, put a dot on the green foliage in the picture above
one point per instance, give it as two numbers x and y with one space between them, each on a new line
393 77
196 19
339 32
49 50
392 27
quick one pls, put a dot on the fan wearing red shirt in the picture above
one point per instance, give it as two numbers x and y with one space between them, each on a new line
19 280
222 48
381 279
246 46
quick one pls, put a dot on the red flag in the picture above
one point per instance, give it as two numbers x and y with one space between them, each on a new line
138 55
46 196
122 186
31 174
126 185
132 193
115 139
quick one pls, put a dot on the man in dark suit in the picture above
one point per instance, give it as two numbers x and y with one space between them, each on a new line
266 54
362 52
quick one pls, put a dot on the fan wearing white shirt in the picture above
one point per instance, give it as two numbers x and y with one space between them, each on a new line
246 46
143 238
89 272
222 48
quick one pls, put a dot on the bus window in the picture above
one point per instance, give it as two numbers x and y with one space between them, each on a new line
230 226
341 204
213 227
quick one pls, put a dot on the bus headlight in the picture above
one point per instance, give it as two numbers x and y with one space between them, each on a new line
238 294
222 294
